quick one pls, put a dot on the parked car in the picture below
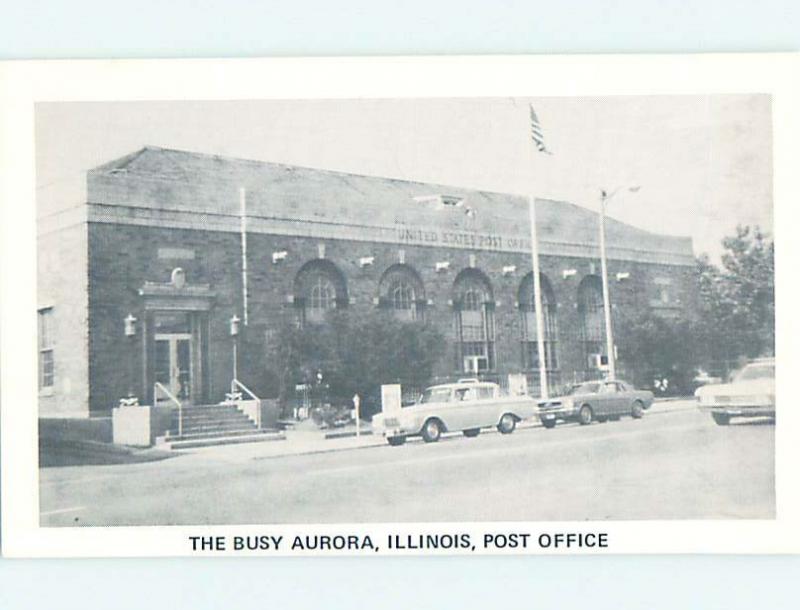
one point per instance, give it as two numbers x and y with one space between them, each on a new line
595 400
466 406
751 393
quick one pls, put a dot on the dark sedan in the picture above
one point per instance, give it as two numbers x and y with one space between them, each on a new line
595 400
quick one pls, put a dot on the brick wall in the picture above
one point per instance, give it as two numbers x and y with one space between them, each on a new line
123 257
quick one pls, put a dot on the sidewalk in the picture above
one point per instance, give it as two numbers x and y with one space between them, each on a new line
671 405
297 442
308 440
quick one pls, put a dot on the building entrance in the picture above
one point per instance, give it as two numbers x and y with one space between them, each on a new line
175 364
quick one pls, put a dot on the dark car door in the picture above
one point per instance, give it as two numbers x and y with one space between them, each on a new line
609 399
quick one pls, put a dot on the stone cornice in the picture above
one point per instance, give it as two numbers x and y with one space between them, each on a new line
398 234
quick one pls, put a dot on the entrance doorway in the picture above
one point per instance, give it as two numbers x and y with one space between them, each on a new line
173 363
176 357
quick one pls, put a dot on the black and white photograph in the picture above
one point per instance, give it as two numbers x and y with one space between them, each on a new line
405 310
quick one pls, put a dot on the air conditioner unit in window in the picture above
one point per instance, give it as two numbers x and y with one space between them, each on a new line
598 361
476 364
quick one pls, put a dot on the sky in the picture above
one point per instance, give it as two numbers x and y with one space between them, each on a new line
703 164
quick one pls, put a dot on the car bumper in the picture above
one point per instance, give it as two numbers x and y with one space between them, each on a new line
740 410
556 414
399 430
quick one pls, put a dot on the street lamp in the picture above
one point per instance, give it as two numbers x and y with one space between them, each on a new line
234 330
605 196
129 327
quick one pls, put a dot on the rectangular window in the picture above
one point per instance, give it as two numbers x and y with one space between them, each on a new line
663 291
46 360
531 355
475 337
530 348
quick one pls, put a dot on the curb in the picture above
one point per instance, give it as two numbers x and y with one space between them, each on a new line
319 450
346 434
378 441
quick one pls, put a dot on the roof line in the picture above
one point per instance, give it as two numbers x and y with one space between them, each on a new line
513 198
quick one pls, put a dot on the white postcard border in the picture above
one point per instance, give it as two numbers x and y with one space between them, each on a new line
22 84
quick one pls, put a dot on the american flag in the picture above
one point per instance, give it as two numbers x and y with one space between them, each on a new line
536 133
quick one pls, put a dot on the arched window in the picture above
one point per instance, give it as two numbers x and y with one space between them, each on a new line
527 306
473 305
401 291
323 294
592 317
319 287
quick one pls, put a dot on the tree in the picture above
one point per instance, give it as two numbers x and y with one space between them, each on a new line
656 348
734 322
737 300
356 353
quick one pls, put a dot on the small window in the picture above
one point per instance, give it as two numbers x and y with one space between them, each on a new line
435 395
466 394
46 358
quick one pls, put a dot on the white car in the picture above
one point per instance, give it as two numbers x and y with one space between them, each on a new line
465 406
751 393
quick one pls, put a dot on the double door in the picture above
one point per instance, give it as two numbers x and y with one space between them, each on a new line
173 363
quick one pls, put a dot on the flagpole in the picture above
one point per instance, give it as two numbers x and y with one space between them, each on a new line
537 287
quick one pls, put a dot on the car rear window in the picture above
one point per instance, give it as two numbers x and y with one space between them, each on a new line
484 393
756 371
436 395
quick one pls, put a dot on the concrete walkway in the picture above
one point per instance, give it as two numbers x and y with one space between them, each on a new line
307 439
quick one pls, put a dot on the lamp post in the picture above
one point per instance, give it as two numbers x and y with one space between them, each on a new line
234 330
130 333
604 198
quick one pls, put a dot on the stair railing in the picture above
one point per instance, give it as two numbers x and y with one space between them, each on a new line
158 386
237 385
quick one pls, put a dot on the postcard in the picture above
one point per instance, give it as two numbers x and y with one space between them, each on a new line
385 306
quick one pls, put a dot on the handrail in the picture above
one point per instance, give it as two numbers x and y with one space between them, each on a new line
158 386
236 383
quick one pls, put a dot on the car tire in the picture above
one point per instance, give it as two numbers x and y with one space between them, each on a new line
431 431
549 423
472 432
396 441
585 415
506 424
721 419
637 410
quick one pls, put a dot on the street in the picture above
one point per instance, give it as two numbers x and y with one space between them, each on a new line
669 465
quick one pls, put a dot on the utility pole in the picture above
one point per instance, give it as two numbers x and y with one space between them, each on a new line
612 367
612 360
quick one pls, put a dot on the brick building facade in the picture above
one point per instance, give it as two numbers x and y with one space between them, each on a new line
160 238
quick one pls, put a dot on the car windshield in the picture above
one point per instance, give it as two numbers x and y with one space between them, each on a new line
756 371
590 387
435 395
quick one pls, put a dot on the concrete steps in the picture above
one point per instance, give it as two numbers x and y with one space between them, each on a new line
259 436
210 425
